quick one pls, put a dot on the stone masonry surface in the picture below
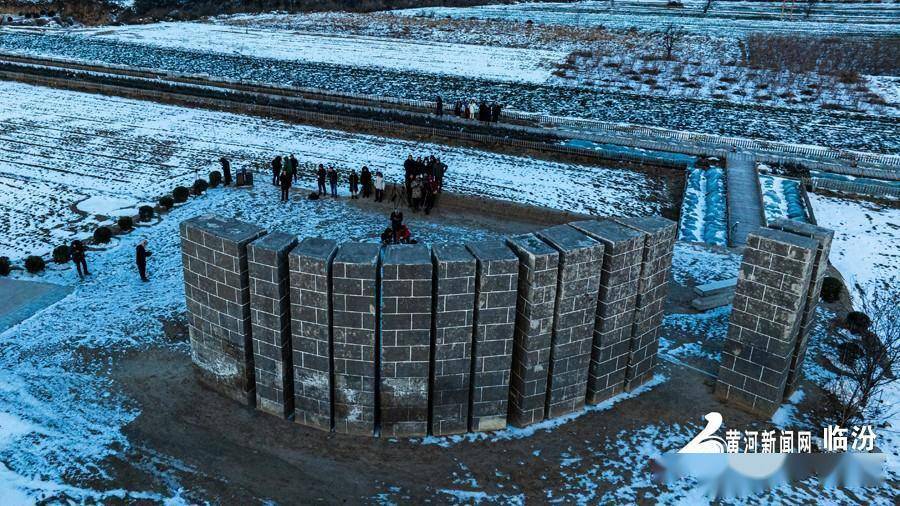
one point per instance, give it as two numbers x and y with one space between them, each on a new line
453 318
217 291
619 280
310 264
495 316
578 282
271 320
765 319
536 301
406 309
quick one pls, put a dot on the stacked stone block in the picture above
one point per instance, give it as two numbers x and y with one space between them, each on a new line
767 311
536 302
495 313
619 280
271 322
823 237
656 263
453 318
578 282
355 331
406 305
310 281
217 290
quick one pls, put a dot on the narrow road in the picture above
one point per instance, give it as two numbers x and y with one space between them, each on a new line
743 198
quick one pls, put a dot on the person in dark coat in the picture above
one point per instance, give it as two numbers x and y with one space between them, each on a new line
353 179
285 183
365 178
396 222
409 168
439 109
141 255
276 169
226 170
457 108
77 252
332 180
295 167
440 168
320 179
495 112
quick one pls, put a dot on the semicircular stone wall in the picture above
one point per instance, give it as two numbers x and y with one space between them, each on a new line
409 340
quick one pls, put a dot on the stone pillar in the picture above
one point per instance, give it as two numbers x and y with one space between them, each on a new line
823 237
580 264
217 289
536 301
354 273
270 316
622 254
495 313
453 318
767 310
406 305
310 264
656 263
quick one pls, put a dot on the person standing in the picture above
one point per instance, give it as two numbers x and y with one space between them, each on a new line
141 255
320 179
77 252
439 108
379 186
457 108
226 170
396 223
295 167
333 180
353 179
276 169
416 193
365 178
285 183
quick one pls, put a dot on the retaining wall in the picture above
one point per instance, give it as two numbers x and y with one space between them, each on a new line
409 340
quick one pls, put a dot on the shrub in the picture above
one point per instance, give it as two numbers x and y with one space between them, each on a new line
215 179
831 289
145 213
34 264
61 254
125 223
858 322
180 194
166 202
102 235
5 266
199 186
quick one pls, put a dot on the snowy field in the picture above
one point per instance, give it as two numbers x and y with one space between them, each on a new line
67 157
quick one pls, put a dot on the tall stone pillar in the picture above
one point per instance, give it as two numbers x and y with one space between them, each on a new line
765 319
538 269
651 298
217 289
453 318
620 276
406 304
355 329
823 237
495 317
271 322
310 264
578 283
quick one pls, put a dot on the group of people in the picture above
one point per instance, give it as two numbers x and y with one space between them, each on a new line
424 179
482 111
285 171
398 232
364 182
78 252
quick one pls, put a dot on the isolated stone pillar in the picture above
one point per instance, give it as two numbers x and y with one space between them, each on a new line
620 275
270 316
578 282
406 304
651 298
495 316
765 319
823 237
355 330
538 269
453 318
310 264
217 289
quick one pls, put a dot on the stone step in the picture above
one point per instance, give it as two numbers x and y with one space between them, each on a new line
715 288
707 303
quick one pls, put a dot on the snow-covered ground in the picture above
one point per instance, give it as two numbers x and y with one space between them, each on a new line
703 208
781 198
484 62
63 148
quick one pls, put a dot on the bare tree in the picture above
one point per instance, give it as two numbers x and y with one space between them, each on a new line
671 36
707 6
874 355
